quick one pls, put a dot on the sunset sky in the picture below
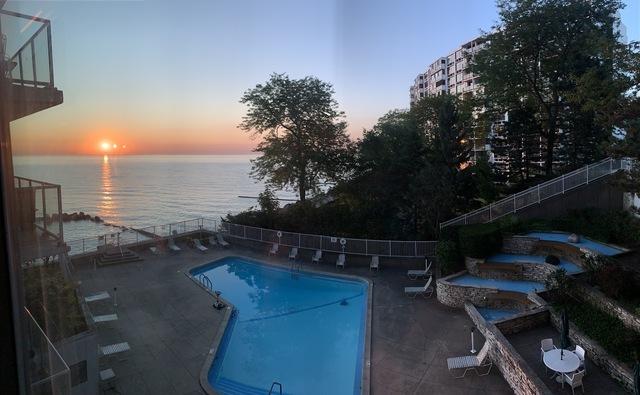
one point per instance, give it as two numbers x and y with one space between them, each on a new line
166 77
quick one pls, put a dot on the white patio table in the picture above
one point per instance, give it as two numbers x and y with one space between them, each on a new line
568 363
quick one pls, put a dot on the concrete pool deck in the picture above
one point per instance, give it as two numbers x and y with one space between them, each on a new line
169 323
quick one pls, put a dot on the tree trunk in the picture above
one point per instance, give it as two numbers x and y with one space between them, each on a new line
302 184
551 140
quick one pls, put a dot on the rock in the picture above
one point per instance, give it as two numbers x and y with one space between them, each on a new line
97 219
573 238
552 260
66 217
74 217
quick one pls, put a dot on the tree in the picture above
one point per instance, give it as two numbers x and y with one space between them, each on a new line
561 58
304 141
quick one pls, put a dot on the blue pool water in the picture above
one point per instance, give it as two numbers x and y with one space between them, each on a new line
600 248
491 314
504 285
303 330
512 258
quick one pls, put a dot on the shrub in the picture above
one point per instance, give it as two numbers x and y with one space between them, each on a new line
449 258
480 241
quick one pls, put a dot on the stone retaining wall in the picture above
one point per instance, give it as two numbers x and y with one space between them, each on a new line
603 302
518 374
509 271
617 370
519 244
524 321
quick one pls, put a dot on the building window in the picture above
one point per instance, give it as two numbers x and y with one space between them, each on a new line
78 373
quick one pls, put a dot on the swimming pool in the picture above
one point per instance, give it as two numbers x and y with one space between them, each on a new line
589 244
570 267
303 330
491 314
503 285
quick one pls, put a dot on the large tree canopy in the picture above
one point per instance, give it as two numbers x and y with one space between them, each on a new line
560 60
304 140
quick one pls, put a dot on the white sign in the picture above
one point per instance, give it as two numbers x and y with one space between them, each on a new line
334 239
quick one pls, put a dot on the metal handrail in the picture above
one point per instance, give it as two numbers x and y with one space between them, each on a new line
534 195
273 385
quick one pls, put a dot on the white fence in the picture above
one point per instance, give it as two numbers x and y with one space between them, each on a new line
130 237
391 248
540 192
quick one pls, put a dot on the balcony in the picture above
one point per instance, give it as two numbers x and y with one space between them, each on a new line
39 214
26 60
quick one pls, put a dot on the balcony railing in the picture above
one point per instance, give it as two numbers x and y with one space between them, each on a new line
40 204
26 49
48 372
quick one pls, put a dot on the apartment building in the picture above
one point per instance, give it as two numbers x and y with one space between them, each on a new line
448 74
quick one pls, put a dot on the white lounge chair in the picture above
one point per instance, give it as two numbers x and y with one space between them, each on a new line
293 254
221 241
425 291
198 244
471 362
274 249
414 274
171 243
340 261
317 257
574 380
375 263
212 241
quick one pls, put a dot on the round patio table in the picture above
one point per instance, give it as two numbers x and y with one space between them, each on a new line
569 362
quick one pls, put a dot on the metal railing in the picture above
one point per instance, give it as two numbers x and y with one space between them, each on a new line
133 236
46 200
31 62
390 248
48 371
541 192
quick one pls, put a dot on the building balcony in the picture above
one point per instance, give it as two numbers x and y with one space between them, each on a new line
26 61
39 219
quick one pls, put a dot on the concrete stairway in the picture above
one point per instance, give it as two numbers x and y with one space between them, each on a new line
117 256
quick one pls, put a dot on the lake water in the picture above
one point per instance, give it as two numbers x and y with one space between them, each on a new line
145 190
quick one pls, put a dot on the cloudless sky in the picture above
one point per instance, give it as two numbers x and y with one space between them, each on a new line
166 77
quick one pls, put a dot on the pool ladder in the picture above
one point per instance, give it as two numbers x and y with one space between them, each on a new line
206 282
273 385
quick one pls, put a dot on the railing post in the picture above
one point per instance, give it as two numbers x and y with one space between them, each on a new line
83 250
389 248
244 231
44 208
563 184
490 212
538 189
299 240
60 228
415 248
587 173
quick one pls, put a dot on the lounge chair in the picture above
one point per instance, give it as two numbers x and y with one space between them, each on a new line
198 244
154 250
574 380
340 261
212 241
425 291
414 274
471 362
274 249
221 241
375 263
293 254
317 257
171 243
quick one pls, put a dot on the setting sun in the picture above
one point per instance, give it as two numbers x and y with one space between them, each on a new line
105 146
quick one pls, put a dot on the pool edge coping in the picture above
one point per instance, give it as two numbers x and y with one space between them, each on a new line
365 387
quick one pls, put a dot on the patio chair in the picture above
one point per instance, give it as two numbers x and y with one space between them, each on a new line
471 362
317 257
375 263
198 244
171 243
293 254
579 351
574 380
340 261
414 274
221 241
425 291
274 249
546 345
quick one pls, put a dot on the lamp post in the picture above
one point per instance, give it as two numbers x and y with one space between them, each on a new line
473 346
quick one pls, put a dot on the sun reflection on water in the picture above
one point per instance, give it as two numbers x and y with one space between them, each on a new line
107 208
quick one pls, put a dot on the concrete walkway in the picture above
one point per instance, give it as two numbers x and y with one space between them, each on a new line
169 323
